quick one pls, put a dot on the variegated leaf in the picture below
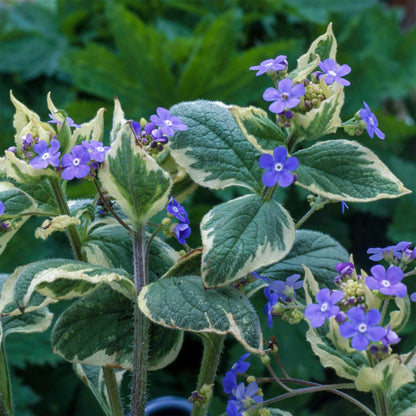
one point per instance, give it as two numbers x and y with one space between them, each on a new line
118 120
183 303
91 130
323 120
241 236
259 130
346 171
134 179
59 223
214 150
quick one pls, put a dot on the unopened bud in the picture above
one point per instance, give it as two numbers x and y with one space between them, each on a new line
251 379
166 221
265 359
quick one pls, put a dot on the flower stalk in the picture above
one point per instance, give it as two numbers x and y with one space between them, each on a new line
6 403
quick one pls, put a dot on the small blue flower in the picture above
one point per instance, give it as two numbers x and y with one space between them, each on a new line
177 210
229 382
389 251
344 206
286 290
76 163
413 297
1 208
371 122
47 155
277 64
69 121
278 168
182 231
362 327
390 337
317 313
387 282
285 97
97 150
166 122
243 398
334 72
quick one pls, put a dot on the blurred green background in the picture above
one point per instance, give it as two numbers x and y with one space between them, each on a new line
154 53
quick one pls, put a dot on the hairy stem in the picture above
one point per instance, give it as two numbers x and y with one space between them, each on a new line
6 403
213 344
112 390
76 244
141 329
384 310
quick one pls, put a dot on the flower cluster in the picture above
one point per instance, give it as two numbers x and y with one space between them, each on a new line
278 168
157 132
241 396
182 230
284 292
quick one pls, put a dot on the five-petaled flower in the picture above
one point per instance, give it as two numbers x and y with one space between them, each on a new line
182 231
317 313
278 167
166 122
286 96
387 282
334 72
242 398
47 155
277 64
97 150
371 122
285 290
76 164
362 327
389 251
177 210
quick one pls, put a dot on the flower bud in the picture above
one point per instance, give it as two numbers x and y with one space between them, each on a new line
166 221
265 359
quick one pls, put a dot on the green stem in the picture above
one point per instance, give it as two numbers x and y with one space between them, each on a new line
112 390
6 404
76 245
74 237
384 310
319 203
213 344
380 399
141 329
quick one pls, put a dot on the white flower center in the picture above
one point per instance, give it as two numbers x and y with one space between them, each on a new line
362 328
324 307
385 283
45 156
284 96
332 73
168 122
76 161
269 64
371 121
278 167
175 209
100 149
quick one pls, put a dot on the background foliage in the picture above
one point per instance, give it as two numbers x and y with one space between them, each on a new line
154 53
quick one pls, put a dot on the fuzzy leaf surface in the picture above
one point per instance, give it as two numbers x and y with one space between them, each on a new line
183 303
346 171
214 150
242 235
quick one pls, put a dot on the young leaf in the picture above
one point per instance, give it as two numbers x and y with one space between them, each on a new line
325 46
259 130
59 223
213 150
241 236
118 120
322 120
91 130
192 308
134 179
345 170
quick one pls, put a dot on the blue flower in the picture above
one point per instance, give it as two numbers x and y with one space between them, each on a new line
47 155
388 252
390 337
286 290
166 122
277 64
344 206
177 210
272 298
413 297
286 96
387 282
182 231
229 382
371 122
334 72
69 121
97 150
278 168
76 163
317 313
362 327
242 398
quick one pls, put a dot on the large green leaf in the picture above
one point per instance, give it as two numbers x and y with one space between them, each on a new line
213 150
259 130
134 179
183 303
241 236
318 251
37 284
346 170
111 342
